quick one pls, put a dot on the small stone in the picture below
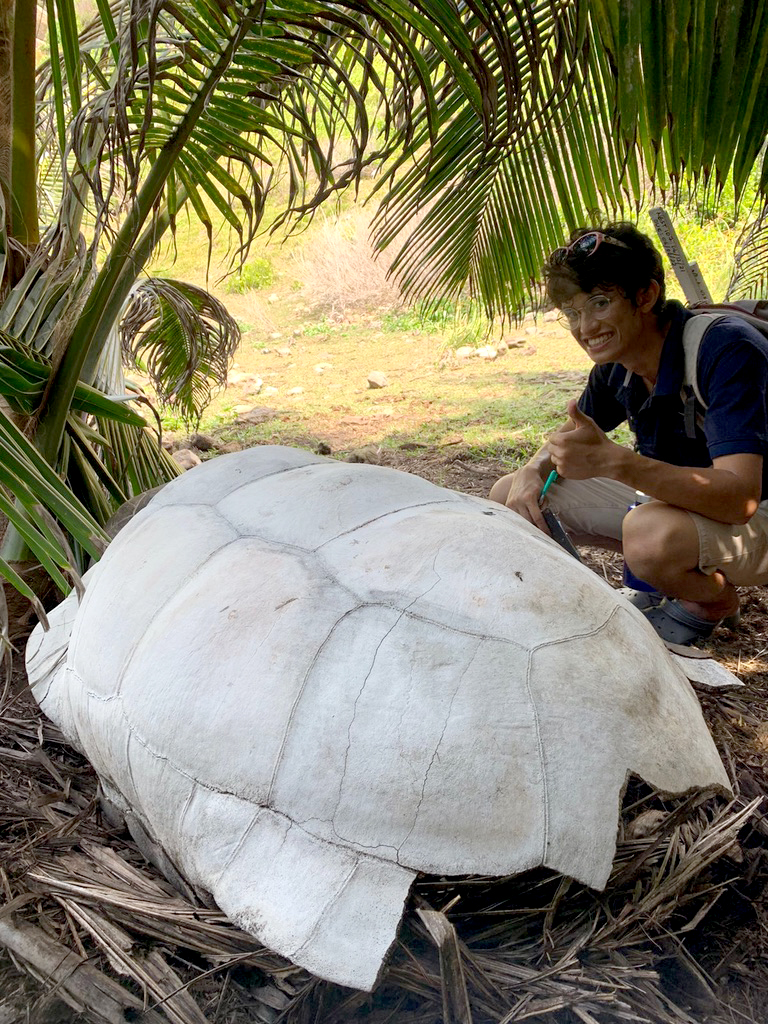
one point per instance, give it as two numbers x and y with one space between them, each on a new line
369 453
761 737
285 351
531 330
323 448
465 352
295 391
550 316
186 458
259 414
229 447
515 342
203 442
376 379
273 297
275 335
487 352
270 390
501 349
254 383
530 351
645 824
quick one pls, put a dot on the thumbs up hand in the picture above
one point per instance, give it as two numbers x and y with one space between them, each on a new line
580 449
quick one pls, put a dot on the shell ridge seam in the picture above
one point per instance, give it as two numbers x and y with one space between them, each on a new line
380 518
537 719
332 899
239 845
434 758
578 636
297 699
354 715
183 583
542 756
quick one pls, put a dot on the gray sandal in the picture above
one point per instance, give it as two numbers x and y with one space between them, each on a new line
676 625
641 599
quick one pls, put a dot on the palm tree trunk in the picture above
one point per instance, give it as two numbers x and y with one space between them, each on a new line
18 20
24 223
6 122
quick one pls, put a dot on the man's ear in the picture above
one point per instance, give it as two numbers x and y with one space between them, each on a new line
646 297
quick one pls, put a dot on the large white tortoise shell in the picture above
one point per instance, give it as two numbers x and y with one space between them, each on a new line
310 680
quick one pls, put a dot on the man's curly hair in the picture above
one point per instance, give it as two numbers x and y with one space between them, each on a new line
630 270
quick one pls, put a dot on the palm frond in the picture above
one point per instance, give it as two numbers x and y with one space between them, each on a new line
636 94
183 338
27 484
749 279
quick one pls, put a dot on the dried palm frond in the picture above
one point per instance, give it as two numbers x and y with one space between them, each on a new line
183 338
536 947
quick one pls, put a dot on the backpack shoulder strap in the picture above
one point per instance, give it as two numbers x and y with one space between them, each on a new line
693 332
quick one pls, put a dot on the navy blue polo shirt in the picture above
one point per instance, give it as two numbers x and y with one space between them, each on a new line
732 378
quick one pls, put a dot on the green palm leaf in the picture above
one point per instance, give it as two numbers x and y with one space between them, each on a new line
749 279
666 93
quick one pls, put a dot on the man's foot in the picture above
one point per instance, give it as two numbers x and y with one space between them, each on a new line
726 607
675 623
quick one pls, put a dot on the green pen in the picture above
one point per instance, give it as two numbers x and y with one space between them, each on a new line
547 484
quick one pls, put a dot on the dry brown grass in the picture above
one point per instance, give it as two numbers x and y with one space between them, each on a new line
338 269
85 915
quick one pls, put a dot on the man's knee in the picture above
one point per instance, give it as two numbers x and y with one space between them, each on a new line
500 490
659 539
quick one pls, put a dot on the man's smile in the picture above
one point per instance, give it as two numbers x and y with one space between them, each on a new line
598 342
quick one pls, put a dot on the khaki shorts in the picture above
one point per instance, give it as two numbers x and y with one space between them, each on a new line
597 507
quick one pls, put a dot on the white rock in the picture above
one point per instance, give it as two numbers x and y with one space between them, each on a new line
708 672
645 824
271 390
309 681
488 352
465 352
186 459
377 379
295 391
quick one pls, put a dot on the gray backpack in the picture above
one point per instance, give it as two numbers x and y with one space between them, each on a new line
753 311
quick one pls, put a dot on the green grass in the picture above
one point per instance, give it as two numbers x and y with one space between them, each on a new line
255 274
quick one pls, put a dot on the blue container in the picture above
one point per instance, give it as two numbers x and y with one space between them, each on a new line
629 578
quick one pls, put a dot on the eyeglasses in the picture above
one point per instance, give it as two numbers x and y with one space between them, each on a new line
597 307
585 245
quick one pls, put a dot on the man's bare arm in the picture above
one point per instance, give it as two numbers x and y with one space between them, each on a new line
729 491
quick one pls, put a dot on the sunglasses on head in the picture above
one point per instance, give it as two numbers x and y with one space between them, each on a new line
585 245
